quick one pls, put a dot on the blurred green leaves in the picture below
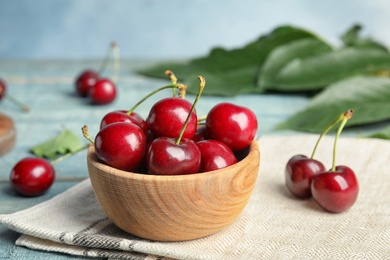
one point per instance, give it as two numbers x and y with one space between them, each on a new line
294 60
368 96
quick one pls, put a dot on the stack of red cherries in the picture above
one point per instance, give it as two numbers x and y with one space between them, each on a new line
172 140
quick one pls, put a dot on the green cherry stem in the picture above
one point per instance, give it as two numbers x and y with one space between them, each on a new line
340 118
202 119
346 116
115 49
59 159
202 84
172 78
107 57
17 102
181 87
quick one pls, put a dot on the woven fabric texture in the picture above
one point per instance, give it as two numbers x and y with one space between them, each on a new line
274 224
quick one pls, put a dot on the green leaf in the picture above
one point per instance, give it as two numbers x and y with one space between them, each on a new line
180 68
288 53
352 38
382 134
230 72
220 84
318 71
65 142
368 96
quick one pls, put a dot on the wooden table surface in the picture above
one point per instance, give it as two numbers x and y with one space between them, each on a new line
47 87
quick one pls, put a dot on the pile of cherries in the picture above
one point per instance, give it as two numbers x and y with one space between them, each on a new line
172 140
169 142
335 190
100 90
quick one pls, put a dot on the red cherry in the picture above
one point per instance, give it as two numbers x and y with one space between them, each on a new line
335 191
167 117
200 134
165 157
3 88
103 92
215 155
32 176
299 172
234 125
149 139
122 116
121 145
85 81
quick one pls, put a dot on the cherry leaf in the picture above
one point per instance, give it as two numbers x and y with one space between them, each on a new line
368 96
352 38
286 60
65 142
318 71
232 72
382 134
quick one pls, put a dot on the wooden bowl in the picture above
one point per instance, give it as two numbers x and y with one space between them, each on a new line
174 208
7 134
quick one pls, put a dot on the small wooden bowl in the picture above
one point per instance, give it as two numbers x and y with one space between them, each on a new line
7 134
174 208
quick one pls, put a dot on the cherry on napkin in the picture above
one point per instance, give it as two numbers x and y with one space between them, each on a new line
274 224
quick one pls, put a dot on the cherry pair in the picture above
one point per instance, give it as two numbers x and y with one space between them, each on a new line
335 190
101 90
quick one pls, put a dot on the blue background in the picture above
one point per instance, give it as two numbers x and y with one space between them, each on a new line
82 29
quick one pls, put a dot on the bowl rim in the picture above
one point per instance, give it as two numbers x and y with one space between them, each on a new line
254 152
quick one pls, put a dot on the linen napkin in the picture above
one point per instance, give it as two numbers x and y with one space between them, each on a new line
273 225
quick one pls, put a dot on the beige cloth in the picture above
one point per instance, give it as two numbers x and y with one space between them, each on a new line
274 225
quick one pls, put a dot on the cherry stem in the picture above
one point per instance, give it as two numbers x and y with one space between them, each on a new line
202 84
115 49
201 119
17 102
345 117
172 78
84 129
61 158
107 57
176 86
340 118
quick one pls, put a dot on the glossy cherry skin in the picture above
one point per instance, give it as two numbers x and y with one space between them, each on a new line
85 81
3 89
234 125
165 157
299 172
122 116
103 92
121 145
215 155
167 117
335 191
32 176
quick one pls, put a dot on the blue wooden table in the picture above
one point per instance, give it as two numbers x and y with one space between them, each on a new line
47 87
